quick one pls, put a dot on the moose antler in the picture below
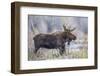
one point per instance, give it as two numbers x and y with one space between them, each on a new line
64 27
69 28
72 29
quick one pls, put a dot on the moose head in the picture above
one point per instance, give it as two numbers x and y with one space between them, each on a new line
67 33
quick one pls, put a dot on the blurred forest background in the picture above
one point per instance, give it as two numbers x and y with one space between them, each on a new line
50 24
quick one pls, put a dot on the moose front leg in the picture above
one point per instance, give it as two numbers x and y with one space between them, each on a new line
62 50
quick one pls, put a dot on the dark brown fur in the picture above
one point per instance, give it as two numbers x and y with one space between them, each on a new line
55 40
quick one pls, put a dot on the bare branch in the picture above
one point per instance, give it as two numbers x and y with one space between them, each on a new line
32 27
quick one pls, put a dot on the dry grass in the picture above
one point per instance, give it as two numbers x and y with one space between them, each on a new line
78 54
44 54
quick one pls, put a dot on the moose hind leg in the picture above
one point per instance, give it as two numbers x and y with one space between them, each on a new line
36 47
35 51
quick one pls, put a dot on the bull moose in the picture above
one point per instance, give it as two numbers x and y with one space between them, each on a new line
54 40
